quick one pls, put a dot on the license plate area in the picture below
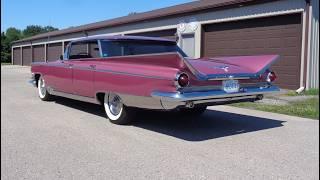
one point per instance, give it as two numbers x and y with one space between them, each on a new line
230 86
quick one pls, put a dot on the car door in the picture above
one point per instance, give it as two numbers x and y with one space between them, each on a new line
59 75
85 53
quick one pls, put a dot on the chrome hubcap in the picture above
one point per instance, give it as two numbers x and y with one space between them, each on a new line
115 104
42 87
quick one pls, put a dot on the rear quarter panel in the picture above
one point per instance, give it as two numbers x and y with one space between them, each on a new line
133 79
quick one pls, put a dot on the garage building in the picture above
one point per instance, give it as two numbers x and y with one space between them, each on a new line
210 29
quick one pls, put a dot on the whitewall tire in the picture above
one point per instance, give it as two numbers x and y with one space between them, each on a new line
42 90
116 111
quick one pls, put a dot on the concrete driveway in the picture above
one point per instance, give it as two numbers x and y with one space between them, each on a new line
67 139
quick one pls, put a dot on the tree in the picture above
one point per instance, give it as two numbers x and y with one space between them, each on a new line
132 13
14 34
33 30
49 29
5 52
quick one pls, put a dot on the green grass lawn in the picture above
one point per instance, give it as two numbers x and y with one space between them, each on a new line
308 108
309 92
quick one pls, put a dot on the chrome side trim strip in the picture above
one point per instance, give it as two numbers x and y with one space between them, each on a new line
133 74
73 96
128 100
113 72
140 101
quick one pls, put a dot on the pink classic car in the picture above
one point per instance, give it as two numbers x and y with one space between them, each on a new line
123 73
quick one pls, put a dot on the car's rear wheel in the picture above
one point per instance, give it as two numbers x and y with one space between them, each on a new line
116 111
42 90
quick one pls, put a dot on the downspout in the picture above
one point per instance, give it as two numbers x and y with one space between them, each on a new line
31 49
309 45
305 40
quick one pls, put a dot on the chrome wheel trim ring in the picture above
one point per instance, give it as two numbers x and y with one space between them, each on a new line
113 106
42 88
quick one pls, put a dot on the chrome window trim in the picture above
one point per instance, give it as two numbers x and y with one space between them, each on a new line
100 49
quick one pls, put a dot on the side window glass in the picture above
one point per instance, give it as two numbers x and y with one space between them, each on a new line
110 49
94 49
84 50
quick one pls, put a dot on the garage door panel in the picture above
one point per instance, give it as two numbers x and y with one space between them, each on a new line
26 56
245 36
38 53
273 35
289 67
290 32
17 56
272 43
54 51
290 41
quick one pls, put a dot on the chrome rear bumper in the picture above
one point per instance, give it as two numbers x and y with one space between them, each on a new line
171 100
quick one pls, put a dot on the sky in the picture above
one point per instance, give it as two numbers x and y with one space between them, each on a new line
66 13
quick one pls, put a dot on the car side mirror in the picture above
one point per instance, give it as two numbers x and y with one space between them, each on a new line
61 57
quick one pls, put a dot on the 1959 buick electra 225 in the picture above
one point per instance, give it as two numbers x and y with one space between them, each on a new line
123 73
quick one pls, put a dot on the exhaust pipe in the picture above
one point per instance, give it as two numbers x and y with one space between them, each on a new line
259 97
189 104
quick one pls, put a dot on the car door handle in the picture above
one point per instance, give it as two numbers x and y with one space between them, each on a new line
93 66
70 65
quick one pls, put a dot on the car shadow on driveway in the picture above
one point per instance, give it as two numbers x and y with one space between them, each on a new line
210 125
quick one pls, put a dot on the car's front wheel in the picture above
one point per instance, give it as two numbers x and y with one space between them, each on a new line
116 111
42 90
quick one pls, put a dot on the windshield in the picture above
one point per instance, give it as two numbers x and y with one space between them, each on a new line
112 48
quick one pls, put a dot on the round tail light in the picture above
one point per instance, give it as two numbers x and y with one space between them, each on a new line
182 80
271 76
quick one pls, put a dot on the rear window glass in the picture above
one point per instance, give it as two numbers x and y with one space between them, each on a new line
134 47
